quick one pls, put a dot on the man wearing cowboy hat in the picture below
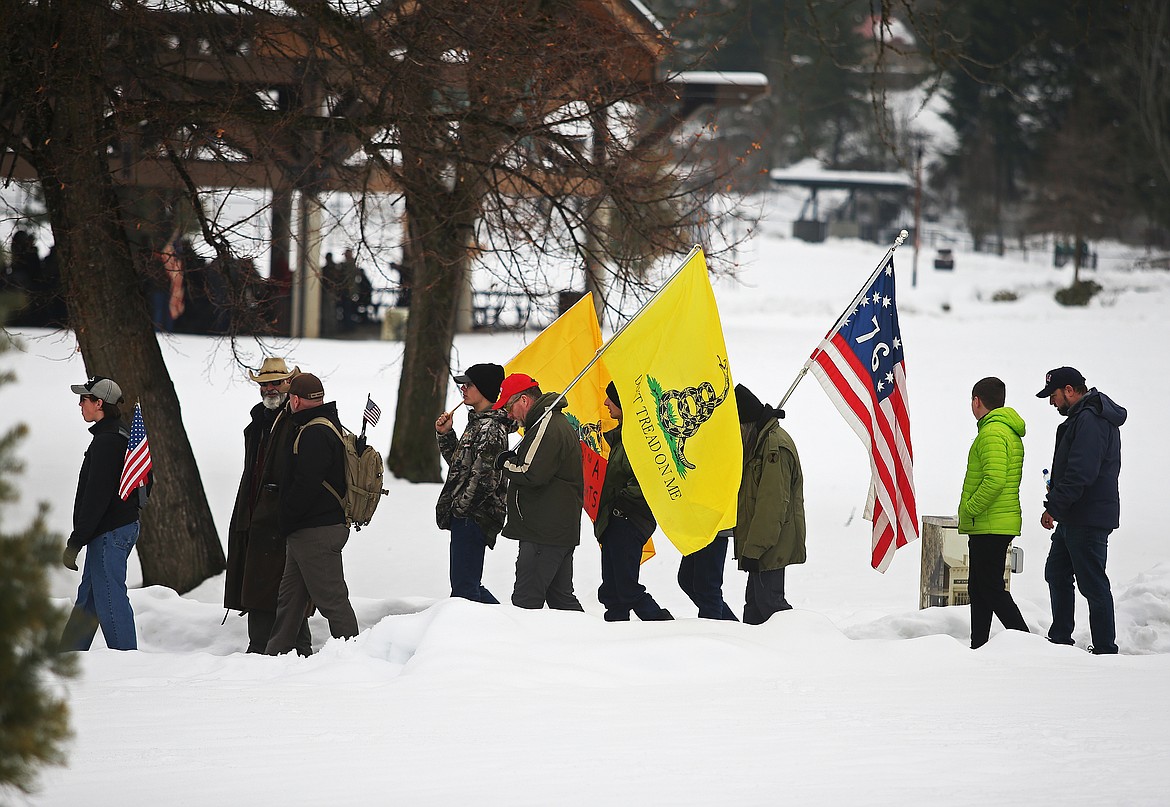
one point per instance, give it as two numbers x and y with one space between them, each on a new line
255 562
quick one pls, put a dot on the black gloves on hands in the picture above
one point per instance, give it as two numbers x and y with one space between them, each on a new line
503 457
749 564
70 558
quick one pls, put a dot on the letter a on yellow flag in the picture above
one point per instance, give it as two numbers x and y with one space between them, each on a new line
680 427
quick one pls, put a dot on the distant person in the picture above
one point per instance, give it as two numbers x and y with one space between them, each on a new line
312 520
1083 505
624 525
700 576
989 507
546 489
104 524
256 549
769 533
472 503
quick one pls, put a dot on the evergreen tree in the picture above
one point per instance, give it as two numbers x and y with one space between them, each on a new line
34 719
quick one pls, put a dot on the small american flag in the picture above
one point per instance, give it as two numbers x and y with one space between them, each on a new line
861 366
138 464
372 412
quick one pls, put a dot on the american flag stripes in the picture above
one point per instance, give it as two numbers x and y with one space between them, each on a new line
137 467
372 412
861 366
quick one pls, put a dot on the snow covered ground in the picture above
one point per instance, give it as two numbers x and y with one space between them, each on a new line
855 697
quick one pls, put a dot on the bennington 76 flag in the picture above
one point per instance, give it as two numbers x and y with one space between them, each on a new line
861 366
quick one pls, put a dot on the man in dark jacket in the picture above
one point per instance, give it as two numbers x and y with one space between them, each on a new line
624 524
471 504
769 532
1083 504
545 494
312 519
255 561
104 524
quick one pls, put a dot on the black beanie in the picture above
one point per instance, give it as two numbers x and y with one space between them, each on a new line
748 404
751 410
611 391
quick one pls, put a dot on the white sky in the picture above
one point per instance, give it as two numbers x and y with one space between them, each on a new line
854 697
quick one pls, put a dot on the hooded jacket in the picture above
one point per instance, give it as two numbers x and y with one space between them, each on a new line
319 457
990 501
97 508
621 492
546 483
474 488
770 524
1087 464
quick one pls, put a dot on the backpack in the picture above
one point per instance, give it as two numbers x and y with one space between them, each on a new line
363 475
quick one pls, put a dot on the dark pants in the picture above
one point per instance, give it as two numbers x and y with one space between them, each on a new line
764 596
545 574
700 576
468 545
1079 553
988 556
620 591
260 625
312 573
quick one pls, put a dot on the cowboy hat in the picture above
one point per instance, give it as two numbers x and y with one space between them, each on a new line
273 369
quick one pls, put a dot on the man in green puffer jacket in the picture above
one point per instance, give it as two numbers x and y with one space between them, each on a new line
989 508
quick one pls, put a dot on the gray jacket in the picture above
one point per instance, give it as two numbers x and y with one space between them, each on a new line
474 488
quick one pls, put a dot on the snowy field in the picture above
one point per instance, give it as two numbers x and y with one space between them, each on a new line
855 697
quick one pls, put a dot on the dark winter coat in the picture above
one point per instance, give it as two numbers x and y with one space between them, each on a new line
255 562
97 508
770 524
474 488
546 483
621 492
1087 463
319 457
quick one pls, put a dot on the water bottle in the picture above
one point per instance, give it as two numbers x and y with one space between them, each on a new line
1047 480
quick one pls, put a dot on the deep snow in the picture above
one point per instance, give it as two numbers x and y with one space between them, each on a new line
854 697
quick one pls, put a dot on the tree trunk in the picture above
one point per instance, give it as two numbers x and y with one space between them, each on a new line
439 256
179 547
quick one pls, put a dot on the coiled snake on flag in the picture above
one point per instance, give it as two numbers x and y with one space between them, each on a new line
693 406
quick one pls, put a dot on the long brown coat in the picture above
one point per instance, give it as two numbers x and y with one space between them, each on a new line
255 562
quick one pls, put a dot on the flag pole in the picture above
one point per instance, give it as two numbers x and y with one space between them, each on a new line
364 421
902 236
605 346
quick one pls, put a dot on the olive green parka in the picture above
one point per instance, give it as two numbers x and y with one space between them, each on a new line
771 502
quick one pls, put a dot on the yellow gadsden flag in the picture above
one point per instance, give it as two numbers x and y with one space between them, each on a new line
680 425
554 359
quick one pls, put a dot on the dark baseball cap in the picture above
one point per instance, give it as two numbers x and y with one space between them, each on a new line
1060 378
485 377
307 386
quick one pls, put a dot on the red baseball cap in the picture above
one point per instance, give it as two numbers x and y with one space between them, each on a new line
516 382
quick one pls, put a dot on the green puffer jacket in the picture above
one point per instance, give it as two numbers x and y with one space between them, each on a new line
990 504
546 484
771 502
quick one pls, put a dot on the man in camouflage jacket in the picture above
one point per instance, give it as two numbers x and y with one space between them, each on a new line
471 504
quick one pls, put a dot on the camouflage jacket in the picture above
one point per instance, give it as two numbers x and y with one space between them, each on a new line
474 488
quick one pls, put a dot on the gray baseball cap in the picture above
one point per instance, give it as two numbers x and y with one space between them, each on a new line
100 387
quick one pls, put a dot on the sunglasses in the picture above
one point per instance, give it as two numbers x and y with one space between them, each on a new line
273 383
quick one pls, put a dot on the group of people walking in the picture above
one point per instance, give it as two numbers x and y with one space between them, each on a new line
289 525
534 493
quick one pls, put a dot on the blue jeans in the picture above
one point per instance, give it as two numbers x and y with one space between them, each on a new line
468 546
620 591
700 576
1079 553
102 594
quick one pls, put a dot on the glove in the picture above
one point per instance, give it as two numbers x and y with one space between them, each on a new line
70 558
503 457
749 564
